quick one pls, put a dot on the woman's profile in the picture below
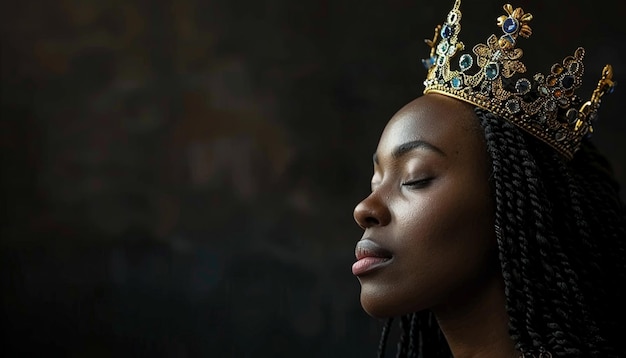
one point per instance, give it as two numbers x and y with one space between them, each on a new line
494 228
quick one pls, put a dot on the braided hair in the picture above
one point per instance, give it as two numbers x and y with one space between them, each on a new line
561 231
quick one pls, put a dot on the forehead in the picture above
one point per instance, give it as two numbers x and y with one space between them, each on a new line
444 122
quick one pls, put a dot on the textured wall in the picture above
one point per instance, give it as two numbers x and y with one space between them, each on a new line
179 176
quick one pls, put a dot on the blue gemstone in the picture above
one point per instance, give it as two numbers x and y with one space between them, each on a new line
442 48
567 82
441 60
612 88
509 38
512 106
522 86
492 71
456 83
510 25
429 62
447 31
466 61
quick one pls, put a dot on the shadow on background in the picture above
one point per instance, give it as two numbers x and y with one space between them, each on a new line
179 176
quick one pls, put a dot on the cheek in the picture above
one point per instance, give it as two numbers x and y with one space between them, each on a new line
460 221
433 235
448 215
446 242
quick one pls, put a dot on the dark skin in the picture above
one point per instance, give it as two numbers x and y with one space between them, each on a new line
432 210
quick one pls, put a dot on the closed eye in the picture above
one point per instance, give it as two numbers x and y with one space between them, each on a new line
418 184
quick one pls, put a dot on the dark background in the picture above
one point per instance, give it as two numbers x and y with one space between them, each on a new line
178 177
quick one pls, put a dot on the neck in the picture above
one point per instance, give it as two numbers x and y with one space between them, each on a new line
477 325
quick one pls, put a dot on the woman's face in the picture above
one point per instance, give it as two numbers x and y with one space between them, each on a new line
429 238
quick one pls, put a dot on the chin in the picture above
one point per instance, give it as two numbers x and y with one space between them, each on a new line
379 305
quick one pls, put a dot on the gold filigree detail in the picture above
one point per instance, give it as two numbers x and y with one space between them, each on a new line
494 52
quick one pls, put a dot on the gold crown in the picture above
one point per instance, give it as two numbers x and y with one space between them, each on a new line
544 105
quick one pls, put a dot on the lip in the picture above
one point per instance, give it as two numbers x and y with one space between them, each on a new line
370 256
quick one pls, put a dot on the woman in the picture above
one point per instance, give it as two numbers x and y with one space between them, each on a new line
494 228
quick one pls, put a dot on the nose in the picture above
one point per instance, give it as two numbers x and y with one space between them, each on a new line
372 212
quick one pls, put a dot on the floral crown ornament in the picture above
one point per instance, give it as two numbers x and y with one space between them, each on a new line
542 105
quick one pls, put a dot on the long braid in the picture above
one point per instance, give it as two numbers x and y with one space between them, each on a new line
584 253
413 335
575 220
529 207
546 241
382 344
523 184
566 296
512 278
403 344
606 218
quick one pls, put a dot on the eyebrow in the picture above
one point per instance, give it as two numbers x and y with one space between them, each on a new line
409 146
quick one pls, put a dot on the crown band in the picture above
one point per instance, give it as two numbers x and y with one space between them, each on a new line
545 106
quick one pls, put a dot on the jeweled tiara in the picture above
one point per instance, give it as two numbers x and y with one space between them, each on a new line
542 105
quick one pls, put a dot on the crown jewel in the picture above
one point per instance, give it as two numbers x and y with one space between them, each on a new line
493 78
